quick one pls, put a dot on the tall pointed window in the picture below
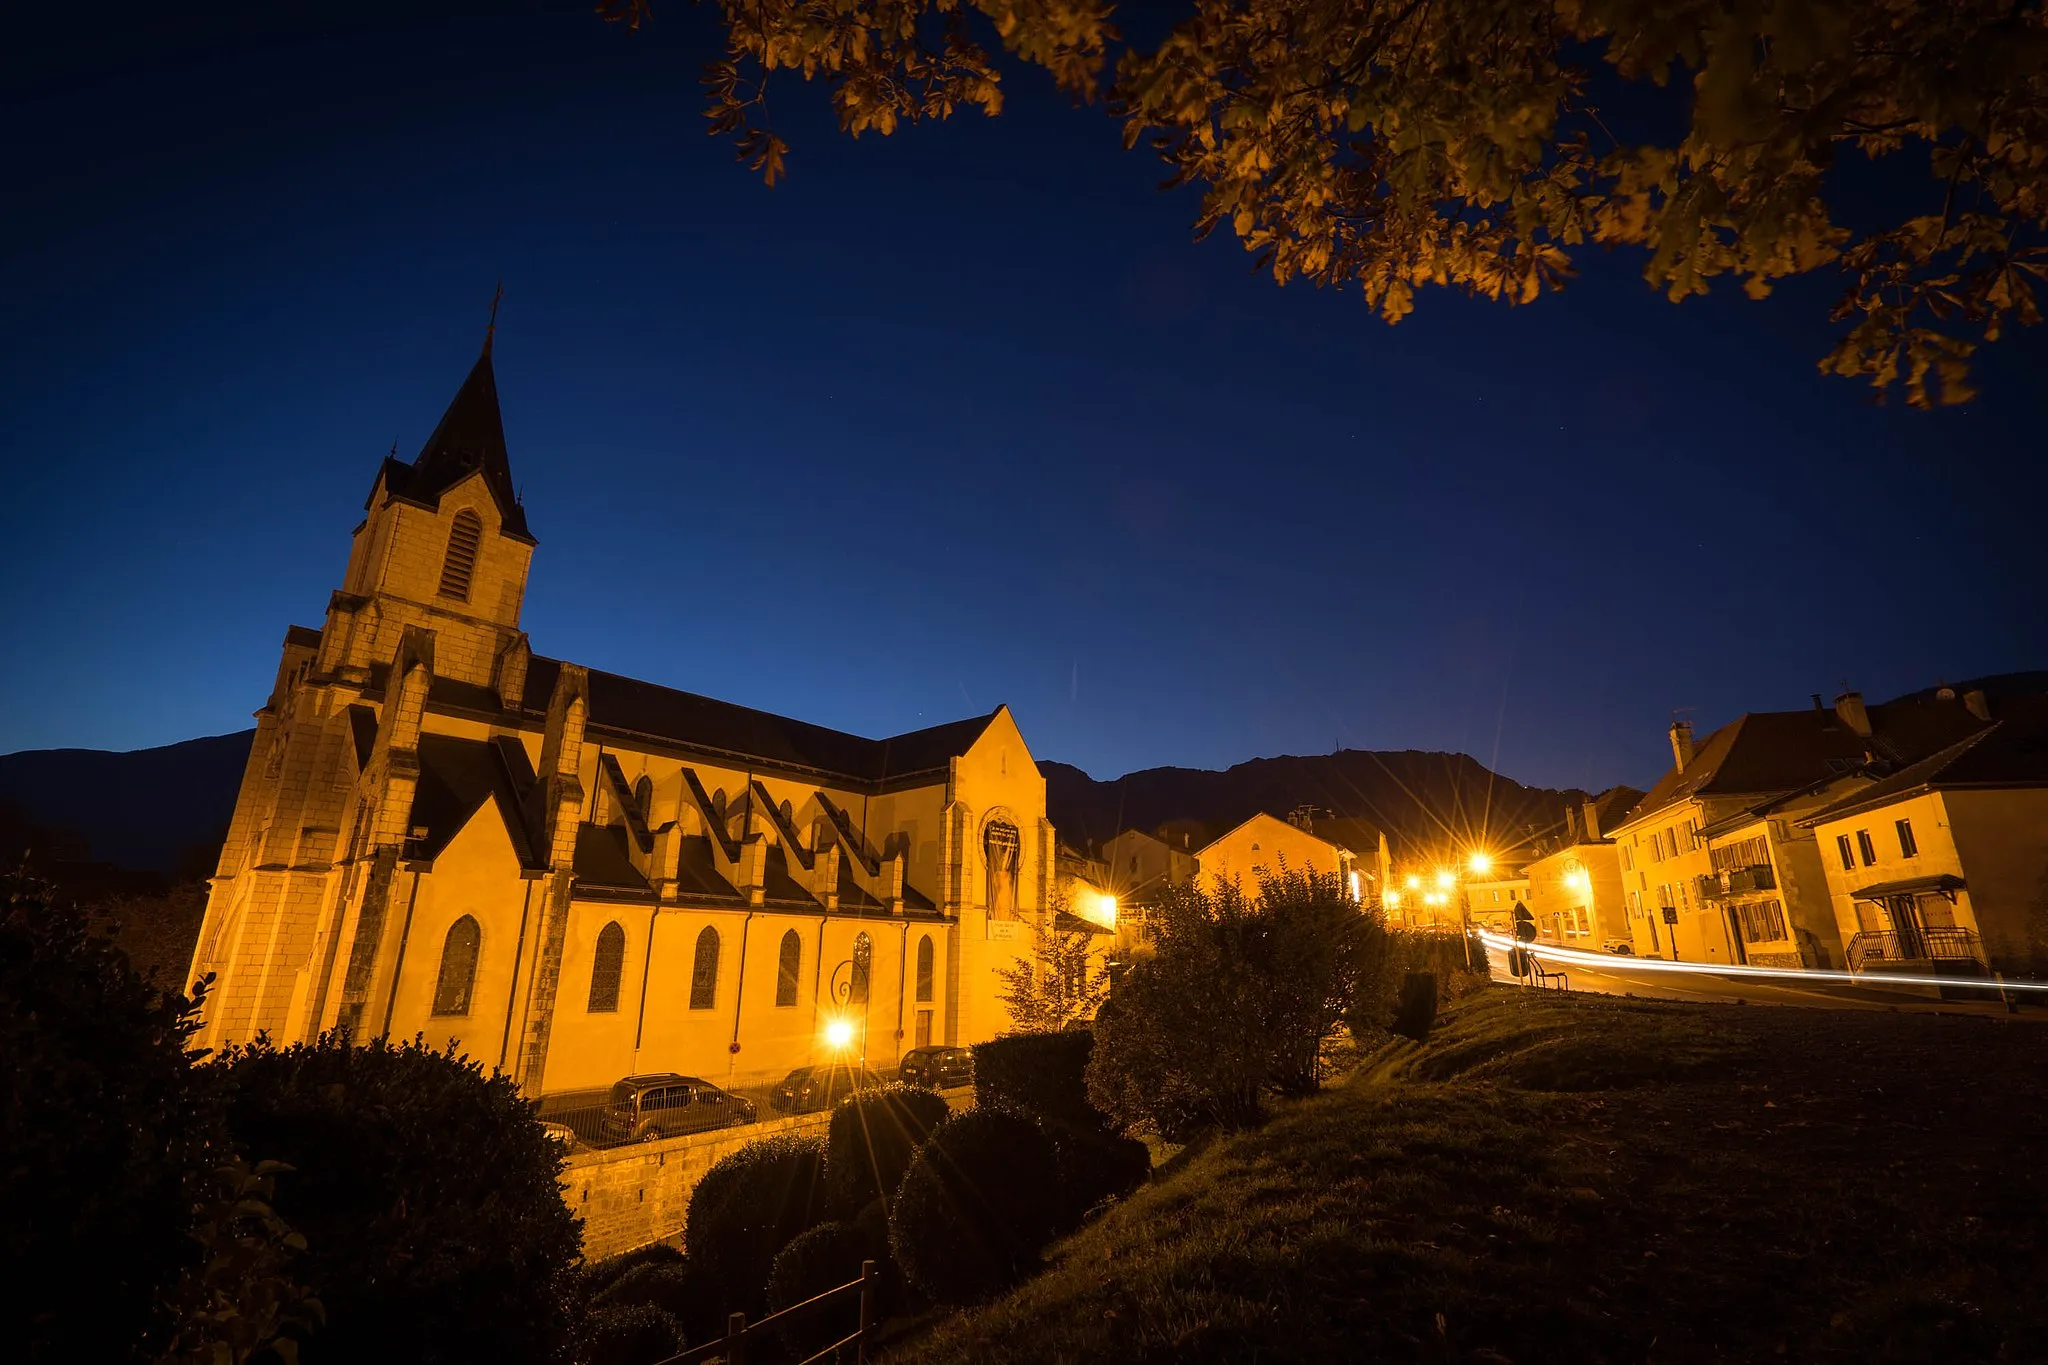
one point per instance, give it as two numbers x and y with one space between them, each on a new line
788 963
704 975
643 797
458 967
863 966
607 964
460 566
924 969
999 845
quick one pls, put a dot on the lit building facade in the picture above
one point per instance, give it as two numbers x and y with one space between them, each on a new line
577 876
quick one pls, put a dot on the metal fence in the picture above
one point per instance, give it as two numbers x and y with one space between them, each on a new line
732 1348
1914 945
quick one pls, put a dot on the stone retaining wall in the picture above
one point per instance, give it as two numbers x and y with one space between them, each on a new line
632 1195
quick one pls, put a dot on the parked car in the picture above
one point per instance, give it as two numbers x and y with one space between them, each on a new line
560 1132
811 1088
941 1068
644 1108
1621 948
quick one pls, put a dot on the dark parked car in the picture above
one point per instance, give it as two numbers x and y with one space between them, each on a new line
941 1068
811 1088
644 1108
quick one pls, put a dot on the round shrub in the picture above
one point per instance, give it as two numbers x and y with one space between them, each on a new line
435 1229
639 1334
1094 1168
599 1276
892 1293
873 1136
749 1206
826 1257
976 1206
678 1287
1039 1075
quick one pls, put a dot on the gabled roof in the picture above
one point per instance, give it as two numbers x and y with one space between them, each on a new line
1264 815
469 438
723 729
2011 752
1766 753
457 776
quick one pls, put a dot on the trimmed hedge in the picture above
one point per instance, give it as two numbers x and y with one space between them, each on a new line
874 1135
749 1206
826 1257
1092 1169
1039 1075
639 1334
428 1196
599 1276
681 1288
976 1207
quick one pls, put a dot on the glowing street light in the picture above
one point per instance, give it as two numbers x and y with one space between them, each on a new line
1481 863
839 1033
1445 879
1414 882
1392 898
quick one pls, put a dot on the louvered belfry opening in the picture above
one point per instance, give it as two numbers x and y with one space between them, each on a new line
460 566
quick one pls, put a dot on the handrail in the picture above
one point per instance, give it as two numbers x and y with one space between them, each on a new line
1946 944
731 1348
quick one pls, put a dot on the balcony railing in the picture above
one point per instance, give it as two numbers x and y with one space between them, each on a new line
1914 945
1733 881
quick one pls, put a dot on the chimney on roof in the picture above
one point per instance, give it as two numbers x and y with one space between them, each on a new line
1818 704
1681 743
1590 820
1571 827
1849 706
1977 704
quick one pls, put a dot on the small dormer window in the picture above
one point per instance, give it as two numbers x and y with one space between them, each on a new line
460 566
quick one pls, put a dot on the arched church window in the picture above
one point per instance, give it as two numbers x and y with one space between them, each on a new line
607 964
458 967
643 796
863 965
704 974
460 566
1000 847
789 962
924 969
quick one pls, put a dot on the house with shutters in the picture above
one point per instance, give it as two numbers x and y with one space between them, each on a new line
576 876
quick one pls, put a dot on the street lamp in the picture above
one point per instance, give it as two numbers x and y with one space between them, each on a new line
1481 864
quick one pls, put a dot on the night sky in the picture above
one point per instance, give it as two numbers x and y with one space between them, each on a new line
947 419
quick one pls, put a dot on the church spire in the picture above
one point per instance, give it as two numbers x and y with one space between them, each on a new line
469 439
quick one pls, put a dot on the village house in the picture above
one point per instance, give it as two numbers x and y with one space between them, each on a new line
1713 866
1943 865
1574 891
576 876
1267 844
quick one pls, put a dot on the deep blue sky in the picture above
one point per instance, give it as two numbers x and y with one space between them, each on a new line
950 418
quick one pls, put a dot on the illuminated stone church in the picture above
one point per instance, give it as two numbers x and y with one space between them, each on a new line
578 876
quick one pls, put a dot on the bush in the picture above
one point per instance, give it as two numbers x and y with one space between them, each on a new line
976 1206
1093 1168
639 1334
1239 996
1416 1010
679 1287
109 1137
599 1276
893 1292
749 1206
427 1194
873 1136
826 1257
1042 1076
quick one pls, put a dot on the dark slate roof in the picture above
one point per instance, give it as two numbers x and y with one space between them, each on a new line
457 776
308 636
632 707
2013 752
470 437
1766 753
778 887
602 860
851 896
697 876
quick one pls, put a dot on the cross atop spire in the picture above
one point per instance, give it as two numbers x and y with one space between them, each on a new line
492 327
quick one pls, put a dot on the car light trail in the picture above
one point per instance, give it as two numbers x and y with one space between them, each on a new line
1612 961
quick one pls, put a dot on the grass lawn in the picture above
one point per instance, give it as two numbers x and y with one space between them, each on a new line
1577 1178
